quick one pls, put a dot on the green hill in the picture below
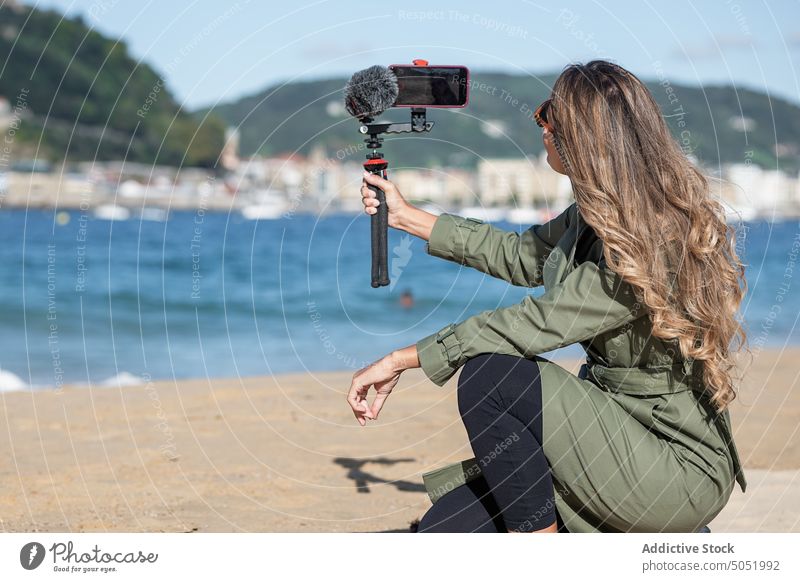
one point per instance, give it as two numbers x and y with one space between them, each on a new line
296 116
87 98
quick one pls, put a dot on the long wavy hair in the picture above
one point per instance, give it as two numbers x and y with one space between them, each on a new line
662 231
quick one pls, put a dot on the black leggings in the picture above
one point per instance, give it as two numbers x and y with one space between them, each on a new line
500 402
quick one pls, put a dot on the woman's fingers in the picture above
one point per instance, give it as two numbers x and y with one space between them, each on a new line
377 404
357 398
376 180
380 375
366 192
354 399
358 409
369 200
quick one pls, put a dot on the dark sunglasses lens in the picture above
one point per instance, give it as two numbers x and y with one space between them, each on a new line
543 112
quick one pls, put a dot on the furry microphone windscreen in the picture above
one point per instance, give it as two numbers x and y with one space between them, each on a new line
370 92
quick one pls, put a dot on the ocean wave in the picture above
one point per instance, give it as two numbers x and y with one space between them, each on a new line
10 382
122 379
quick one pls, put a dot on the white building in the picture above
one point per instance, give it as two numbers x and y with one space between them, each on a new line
521 183
764 192
443 187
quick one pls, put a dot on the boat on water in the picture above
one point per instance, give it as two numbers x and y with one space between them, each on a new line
112 212
263 211
432 208
266 205
484 213
740 214
524 216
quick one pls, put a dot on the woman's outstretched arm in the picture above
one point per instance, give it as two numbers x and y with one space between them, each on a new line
515 258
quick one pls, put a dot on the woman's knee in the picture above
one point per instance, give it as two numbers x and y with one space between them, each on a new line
476 383
493 379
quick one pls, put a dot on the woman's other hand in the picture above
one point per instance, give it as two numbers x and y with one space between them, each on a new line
383 375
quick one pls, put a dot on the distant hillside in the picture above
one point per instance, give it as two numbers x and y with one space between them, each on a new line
298 115
89 99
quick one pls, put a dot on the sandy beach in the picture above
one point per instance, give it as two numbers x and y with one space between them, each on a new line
285 454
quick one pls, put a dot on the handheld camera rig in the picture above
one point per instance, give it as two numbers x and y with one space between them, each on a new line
377 164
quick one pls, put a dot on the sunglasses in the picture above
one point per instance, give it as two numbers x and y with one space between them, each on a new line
540 115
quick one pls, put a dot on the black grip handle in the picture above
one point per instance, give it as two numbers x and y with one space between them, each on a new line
379 231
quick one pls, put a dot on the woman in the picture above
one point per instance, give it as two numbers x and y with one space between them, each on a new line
641 270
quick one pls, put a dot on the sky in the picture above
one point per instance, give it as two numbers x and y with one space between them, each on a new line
212 52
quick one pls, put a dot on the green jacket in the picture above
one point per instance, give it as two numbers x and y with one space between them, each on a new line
584 302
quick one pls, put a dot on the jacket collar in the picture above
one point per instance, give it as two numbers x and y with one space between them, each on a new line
570 245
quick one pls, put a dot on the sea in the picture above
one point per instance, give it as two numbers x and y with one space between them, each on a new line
201 294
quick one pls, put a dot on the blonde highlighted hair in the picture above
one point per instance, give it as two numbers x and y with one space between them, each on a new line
662 231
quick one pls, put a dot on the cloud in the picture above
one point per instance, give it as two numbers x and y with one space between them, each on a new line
331 49
714 48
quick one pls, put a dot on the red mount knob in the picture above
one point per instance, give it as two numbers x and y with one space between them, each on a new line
420 62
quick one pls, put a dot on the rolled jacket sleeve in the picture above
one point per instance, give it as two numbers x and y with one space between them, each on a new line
513 257
589 301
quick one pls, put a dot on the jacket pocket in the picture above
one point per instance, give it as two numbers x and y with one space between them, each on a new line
441 481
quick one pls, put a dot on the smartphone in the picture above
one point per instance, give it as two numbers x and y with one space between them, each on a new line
423 85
